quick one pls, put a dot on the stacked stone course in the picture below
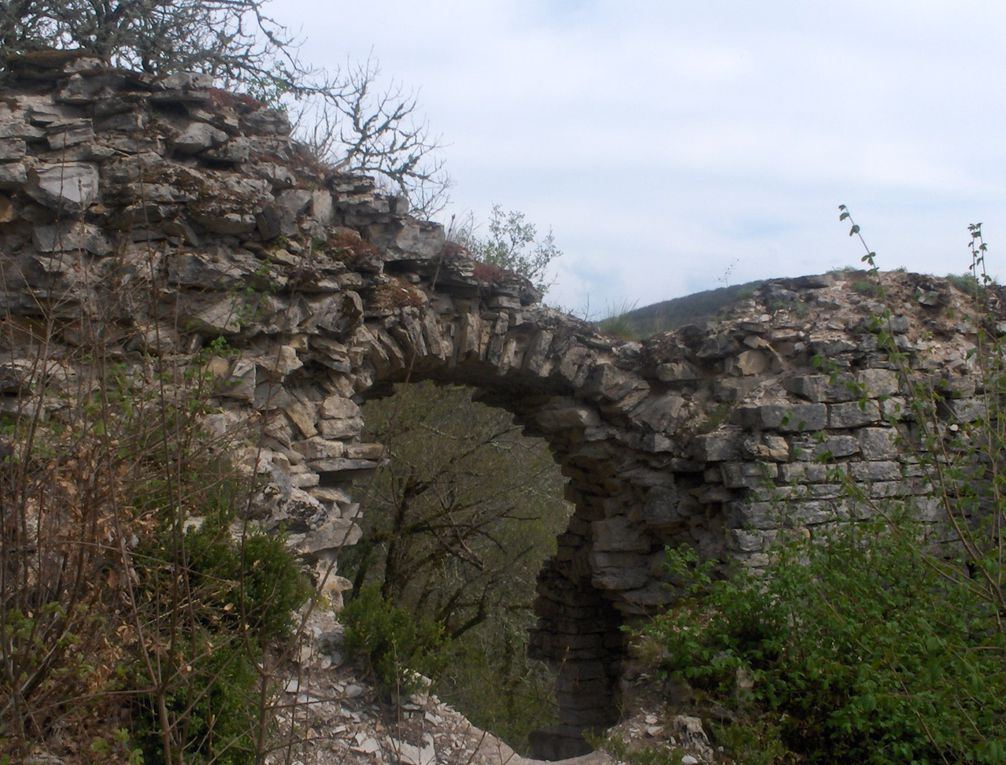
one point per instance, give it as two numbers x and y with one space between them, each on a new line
175 214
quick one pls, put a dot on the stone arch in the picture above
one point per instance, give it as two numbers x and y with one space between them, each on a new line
576 389
714 436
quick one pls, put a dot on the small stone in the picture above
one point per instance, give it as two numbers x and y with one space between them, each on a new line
197 137
353 691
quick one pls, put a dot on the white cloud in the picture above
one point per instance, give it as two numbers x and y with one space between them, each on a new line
667 143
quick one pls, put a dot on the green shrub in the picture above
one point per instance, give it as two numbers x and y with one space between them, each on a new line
236 597
394 644
856 651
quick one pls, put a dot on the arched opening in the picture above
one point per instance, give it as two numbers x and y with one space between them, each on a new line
457 523
479 519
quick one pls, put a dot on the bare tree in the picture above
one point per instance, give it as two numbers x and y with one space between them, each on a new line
375 130
344 115
232 40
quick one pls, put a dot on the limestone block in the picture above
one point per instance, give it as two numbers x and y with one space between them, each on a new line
20 129
967 409
71 188
71 133
853 414
618 535
197 137
811 472
12 149
335 533
878 443
226 222
746 541
7 211
738 475
766 446
13 175
71 237
212 314
875 471
752 362
677 371
566 413
320 448
233 151
719 446
342 470
786 417
826 447
659 412
339 408
618 570
365 451
823 388
268 121
879 382
611 383
300 414
280 363
322 209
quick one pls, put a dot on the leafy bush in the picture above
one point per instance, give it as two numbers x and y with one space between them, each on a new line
858 651
876 646
394 644
239 595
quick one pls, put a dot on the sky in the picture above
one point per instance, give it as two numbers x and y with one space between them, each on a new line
674 146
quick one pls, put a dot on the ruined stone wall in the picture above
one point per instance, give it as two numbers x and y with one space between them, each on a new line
171 214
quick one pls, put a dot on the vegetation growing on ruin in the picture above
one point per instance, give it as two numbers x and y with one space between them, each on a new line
882 643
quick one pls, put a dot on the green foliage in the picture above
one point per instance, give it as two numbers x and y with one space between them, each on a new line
494 656
619 324
240 594
513 244
857 651
637 323
457 533
966 282
395 644
883 642
867 287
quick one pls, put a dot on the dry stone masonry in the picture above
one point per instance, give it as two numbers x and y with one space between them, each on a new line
184 222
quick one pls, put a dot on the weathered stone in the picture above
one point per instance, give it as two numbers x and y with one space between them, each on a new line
618 535
786 417
853 414
719 437
71 133
13 175
70 237
718 446
339 408
824 447
320 449
659 412
875 471
336 533
12 149
197 137
71 188
678 371
878 443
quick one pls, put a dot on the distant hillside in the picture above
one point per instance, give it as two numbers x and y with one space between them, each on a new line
670 314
